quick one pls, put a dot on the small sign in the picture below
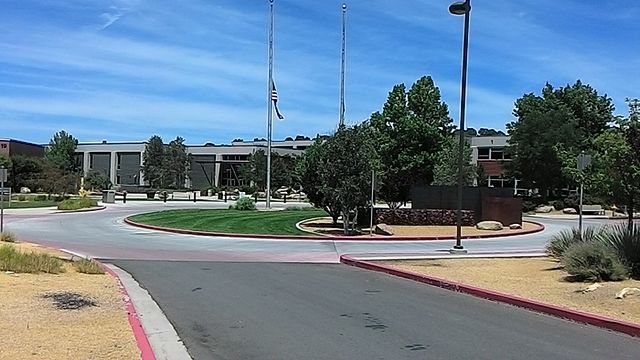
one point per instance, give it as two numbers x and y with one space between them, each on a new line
584 161
3 174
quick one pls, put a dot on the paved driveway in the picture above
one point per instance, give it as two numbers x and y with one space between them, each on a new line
226 310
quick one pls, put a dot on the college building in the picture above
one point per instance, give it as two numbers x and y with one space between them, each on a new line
219 165
211 165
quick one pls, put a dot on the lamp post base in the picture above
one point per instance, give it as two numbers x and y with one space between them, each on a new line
457 250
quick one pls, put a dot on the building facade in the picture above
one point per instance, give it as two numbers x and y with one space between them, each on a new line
491 153
11 147
211 165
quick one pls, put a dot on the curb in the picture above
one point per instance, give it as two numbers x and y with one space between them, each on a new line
554 310
96 208
127 221
146 353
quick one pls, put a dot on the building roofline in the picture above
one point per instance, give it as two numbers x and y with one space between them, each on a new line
23 142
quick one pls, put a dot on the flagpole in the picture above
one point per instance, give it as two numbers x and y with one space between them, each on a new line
342 64
269 105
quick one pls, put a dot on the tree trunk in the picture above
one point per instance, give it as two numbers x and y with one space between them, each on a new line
630 213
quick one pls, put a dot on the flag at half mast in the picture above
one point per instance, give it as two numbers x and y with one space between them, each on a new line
274 98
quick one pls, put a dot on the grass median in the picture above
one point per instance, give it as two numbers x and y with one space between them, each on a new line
231 221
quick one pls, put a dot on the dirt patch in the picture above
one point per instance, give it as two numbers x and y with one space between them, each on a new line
539 279
325 226
69 300
34 327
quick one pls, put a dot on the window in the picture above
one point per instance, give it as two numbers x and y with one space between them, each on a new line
119 159
483 153
497 154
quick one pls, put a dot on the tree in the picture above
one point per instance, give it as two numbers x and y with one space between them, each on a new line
409 134
446 169
176 164
5 161
283 170
565 119
349 157
54 180
153 164
490 132
24 171
97 180
310 169
61 152
615 173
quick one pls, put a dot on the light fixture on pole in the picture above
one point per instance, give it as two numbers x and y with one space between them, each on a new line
461 8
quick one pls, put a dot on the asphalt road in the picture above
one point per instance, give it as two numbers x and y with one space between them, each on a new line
102 234
225 310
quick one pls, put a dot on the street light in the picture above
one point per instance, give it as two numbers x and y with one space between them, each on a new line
461 8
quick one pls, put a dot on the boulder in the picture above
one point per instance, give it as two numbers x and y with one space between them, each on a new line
515 226
383 229
570 211
25 190
489 225
544 209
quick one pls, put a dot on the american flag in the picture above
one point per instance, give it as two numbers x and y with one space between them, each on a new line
274 98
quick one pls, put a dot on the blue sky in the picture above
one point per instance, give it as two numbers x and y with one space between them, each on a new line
128 69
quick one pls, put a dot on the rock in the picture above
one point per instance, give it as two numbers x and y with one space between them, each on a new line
489 225
590 288
544 209
570 211
515 226
627 291
25 190
383 229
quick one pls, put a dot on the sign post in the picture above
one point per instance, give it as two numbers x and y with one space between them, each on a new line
584 161
3 179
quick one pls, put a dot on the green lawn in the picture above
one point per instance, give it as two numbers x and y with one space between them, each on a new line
231 221
30 204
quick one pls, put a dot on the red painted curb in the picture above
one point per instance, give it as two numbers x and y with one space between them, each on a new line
541 227
554 310
146 353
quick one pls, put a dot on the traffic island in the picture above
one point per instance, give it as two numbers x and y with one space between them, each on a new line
538 284
62 315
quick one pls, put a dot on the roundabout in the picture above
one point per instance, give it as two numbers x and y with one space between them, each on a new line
104 234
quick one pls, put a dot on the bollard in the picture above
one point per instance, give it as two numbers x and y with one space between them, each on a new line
194 196
164 196
124 197
285 198
224 193
255 196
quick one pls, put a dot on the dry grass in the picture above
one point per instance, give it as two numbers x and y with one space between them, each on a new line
87 266
534 278
7 236
13 259
33 328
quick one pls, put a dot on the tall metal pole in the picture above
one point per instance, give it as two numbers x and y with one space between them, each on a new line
580 208
463 100
342 64
2 175
269 104
373 189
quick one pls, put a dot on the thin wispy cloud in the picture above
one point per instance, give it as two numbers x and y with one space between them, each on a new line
198 69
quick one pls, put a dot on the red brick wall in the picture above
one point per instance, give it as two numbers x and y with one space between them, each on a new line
491 167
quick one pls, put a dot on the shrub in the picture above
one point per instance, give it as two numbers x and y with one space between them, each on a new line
563 240
22 197
245 203
625 242
97 180
558 204
41 197
13 260
7 236
528 206
77 203
88 266
593 262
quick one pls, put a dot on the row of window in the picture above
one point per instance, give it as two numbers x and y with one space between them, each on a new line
489 153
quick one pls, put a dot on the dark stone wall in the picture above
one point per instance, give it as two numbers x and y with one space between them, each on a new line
422 217
506 210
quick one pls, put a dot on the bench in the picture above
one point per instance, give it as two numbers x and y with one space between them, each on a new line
592 209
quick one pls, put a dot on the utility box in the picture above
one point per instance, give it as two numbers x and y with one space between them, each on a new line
108 196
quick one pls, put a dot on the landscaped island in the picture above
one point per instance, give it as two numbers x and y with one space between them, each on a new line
231 221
